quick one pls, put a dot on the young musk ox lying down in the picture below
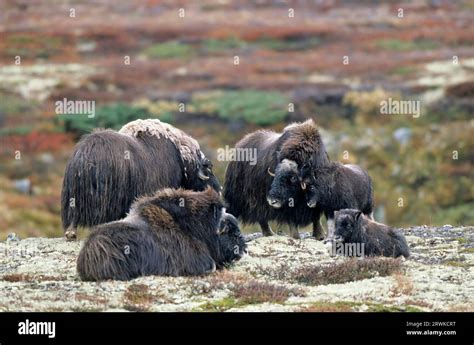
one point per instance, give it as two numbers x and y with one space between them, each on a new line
378 239
175 232
108 170
337 186
270 189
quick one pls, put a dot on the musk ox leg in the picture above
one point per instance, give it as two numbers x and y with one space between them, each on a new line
331 228
318 231
266 229
70 234
294 232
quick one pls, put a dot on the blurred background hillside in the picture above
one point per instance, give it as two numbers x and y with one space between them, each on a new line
427 55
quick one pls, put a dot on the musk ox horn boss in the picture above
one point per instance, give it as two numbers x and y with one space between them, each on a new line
109 169
175 232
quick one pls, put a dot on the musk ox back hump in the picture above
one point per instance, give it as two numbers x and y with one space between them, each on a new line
108 170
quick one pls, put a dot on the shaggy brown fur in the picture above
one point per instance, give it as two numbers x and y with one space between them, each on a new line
109 169
337 186
352 226
174 232
247 187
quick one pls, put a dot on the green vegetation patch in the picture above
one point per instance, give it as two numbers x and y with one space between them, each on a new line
22 277
169 49
254 106
398 45
112 116
19 130
29 46
216 46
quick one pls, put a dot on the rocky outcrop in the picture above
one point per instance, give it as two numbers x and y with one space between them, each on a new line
279 274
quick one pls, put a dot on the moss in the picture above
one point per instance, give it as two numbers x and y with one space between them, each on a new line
348 306
29 46
220 305
404 70
300 43
398 45
112 116
20 130
467 250
216 46
462 240
456 263
253 106
170 49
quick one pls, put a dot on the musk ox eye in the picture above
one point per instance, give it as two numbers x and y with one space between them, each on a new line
293 179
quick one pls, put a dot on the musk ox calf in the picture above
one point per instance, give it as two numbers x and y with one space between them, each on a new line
269 188
337 186
378 239
109 169
175 232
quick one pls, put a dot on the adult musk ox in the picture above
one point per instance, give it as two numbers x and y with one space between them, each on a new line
109 169
175 232
378 239
337 186
270 189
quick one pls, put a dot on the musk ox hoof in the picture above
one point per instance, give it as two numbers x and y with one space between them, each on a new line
318 236
296 236
268 233
70 235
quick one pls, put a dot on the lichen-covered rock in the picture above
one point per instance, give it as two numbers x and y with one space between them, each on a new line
279 274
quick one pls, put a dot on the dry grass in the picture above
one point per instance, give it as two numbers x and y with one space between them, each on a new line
418 303
329 307
260 292
28 278
403 285
80 296
461 308
137 298
347 271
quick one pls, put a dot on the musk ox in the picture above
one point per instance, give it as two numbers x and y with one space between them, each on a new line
109 169
352 226
337 186
175 232
270 189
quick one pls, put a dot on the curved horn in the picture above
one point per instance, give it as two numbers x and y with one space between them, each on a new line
270 173
303 185
202 176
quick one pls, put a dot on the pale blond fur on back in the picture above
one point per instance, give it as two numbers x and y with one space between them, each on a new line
187 146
